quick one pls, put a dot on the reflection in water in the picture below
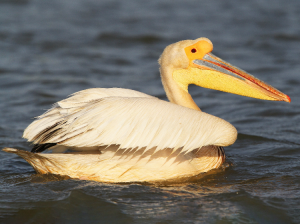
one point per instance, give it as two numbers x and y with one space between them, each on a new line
207 199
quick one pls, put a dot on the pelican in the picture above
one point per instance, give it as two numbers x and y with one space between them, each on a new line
121 135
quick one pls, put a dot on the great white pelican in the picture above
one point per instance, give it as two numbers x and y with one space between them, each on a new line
121 135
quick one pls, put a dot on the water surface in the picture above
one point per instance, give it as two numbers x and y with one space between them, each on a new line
50 49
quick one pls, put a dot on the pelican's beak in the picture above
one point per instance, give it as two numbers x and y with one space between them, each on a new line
216 73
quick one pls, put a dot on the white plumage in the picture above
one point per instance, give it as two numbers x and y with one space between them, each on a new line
104 117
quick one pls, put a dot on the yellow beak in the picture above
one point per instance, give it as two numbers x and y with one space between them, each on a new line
214 73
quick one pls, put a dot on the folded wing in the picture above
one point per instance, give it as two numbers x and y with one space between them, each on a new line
130 119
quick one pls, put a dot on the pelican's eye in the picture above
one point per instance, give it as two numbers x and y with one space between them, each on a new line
194 50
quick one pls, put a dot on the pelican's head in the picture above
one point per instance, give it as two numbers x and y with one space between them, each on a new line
191 62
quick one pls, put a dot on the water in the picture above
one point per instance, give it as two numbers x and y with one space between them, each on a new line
50 49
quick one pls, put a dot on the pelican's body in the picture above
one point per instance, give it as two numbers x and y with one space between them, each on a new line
120 135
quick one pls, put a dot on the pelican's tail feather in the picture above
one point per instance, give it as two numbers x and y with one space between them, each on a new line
75 165
40 163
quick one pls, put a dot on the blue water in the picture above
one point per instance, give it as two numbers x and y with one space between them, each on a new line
50 49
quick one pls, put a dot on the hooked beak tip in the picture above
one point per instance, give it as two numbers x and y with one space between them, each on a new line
288 99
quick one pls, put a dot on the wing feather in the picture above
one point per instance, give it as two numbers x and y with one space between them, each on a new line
141 121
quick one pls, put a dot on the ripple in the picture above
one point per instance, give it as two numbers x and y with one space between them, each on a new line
287 37
71 208
115 37
14 2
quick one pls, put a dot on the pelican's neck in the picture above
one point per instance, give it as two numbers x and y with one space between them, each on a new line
174 92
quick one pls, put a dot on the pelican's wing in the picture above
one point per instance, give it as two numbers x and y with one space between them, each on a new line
75 102
130 122
88 95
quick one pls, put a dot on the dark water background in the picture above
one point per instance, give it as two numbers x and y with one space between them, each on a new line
50 49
